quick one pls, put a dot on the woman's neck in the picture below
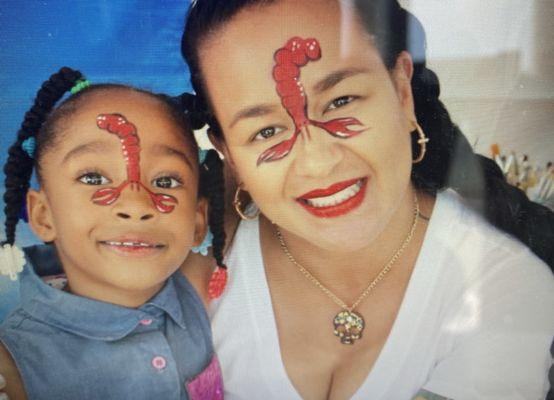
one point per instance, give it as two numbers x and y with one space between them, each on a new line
352 269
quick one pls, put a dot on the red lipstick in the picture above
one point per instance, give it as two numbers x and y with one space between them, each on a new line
340 208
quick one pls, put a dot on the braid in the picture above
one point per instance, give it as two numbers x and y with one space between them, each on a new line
451 162
212 186
19 166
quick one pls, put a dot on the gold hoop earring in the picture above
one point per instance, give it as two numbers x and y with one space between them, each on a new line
243 214
422 141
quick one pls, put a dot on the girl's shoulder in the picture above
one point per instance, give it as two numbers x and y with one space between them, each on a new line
14 384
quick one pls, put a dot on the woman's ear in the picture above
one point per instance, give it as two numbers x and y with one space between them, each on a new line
402 78
40 215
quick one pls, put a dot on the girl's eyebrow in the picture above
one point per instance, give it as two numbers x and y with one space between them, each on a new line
165 150
96 146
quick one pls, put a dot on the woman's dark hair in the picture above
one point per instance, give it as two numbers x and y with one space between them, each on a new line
450 160
42 122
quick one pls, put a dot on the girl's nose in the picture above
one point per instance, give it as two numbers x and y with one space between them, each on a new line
144 217
134 203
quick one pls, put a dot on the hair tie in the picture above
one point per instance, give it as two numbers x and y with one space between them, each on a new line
203 247
29 145
202 154
79 85
12 260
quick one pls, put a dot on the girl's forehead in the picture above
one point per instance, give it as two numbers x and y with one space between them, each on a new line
150 117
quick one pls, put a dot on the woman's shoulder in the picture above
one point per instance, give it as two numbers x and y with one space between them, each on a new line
471 256
14 384
466 233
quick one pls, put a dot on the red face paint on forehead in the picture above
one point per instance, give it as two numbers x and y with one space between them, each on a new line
118 125
296 53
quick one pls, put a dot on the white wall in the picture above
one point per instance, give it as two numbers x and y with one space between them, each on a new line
495 60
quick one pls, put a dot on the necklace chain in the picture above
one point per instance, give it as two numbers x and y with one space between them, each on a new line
373 283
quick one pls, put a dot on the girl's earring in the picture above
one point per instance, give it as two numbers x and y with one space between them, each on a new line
422 141
251 211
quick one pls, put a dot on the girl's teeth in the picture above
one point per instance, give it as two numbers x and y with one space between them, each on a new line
129 244
336 198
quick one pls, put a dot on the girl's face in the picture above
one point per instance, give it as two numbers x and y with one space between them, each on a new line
337 184
119 241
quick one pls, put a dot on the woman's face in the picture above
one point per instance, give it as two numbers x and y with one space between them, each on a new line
338 183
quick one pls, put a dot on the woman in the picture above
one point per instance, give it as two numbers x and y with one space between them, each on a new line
362 277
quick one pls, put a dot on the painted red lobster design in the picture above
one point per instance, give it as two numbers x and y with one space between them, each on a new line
295 54
118 125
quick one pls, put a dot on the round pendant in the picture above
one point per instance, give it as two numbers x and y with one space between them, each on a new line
348 326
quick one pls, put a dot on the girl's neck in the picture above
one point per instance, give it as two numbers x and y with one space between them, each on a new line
85 287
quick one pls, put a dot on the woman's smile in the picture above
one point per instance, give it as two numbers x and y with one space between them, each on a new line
335 200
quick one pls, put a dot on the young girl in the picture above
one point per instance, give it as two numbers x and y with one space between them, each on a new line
119 177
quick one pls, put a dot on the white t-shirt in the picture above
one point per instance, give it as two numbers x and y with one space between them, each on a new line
476 321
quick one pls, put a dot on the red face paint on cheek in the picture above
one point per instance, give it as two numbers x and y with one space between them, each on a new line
296 53
118 125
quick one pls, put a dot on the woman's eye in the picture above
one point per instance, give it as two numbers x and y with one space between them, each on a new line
93 178
166 182
340 102
267 133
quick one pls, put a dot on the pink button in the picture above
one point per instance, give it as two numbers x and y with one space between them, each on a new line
159 362
146 321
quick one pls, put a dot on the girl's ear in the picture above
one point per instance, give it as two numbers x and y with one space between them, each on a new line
402 78
40 215
200 221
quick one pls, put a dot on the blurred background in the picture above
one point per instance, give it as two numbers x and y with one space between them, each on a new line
495 61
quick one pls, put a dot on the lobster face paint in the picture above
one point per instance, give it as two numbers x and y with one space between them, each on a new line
296 53
118 125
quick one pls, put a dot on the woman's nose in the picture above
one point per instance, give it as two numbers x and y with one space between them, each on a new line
318 154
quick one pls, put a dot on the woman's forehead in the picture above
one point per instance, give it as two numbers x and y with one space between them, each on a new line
238 59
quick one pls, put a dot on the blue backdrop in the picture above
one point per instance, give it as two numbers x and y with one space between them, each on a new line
126 41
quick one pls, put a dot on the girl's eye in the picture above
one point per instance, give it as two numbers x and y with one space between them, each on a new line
267 133
93 178
166 182
340 102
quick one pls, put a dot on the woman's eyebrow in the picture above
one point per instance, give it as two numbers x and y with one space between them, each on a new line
335 77
160 149
253 112
96 146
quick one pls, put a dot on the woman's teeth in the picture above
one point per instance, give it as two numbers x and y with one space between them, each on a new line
335 198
